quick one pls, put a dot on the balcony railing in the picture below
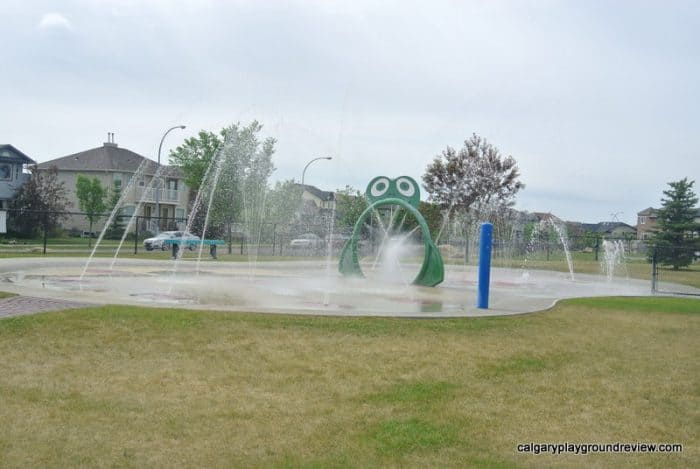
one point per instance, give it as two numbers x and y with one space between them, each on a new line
166 195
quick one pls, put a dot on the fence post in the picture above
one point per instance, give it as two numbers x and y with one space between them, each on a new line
274 236
230 240
136 236
654 269
597 246
46 228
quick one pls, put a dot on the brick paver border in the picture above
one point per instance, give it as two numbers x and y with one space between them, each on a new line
23 305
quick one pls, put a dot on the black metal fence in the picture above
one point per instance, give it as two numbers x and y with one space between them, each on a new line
299 239
37 229
674 269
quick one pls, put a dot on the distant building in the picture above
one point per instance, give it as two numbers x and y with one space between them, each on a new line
611 229
317 200
647 221
540 217
115 167
12 175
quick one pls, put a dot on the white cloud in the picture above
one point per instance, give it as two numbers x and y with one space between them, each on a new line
55 21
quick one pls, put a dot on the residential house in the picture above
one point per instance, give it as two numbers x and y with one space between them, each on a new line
118 168
12 176
646 223
610 229
316 200
647 219
544 217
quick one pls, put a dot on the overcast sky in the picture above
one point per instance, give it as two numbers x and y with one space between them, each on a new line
599 102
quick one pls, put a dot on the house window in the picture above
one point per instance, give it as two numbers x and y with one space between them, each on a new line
128 210
117 180
642 220
5 172
180 214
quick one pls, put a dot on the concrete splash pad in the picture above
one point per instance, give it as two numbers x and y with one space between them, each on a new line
298 287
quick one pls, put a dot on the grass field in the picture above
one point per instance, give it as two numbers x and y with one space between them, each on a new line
136 387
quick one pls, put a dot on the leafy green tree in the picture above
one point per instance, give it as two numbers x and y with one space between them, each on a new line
678 234
433 217
91 197
228 175
41 201
195 156
282 202
349 205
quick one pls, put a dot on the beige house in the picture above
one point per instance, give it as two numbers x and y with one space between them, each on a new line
317 202
116 168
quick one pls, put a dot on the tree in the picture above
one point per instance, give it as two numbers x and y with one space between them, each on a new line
433 215
472 182
678 235
115 230
228 174
475 175
349 205
282 202
41 201
91 197
195 156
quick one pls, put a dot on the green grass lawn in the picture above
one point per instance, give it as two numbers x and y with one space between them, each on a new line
137 387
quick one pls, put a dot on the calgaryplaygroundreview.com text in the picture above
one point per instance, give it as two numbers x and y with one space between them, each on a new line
588 448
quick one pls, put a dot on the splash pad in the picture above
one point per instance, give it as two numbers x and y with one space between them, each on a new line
298 287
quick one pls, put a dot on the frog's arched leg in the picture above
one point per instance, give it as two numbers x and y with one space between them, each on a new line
432 271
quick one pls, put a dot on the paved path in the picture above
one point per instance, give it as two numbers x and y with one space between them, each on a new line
23 305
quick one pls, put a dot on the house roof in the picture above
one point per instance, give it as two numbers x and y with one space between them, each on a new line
323 195
10 153
108 157
544 216
606 226
655 212
610 226
649 211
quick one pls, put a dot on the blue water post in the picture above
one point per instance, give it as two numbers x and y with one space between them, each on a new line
484 265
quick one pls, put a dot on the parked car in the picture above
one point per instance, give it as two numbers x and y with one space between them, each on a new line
307 240
157 242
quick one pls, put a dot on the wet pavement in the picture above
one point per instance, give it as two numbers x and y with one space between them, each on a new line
293 287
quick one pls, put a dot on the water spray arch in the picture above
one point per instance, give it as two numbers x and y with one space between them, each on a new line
404 192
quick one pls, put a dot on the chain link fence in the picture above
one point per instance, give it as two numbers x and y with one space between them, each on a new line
43 232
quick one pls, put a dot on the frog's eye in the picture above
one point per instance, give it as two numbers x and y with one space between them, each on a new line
379 187
405 187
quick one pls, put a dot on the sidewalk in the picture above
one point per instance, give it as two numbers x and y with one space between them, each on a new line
23 305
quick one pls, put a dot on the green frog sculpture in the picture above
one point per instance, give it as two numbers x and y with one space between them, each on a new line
405 192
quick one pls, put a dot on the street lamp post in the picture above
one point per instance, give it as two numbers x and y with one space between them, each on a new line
160 147
303 173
